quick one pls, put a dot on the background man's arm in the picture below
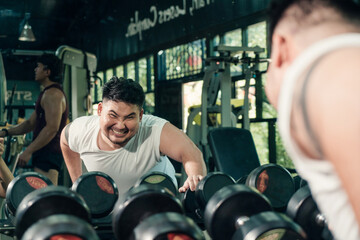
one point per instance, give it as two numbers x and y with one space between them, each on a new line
175 144
71 158
22 128
5 173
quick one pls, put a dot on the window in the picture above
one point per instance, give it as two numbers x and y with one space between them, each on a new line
234 38
143 73
257 37
146 79
192 99
183 60
109 74
130 70
150 62
149 107
97 89
120 71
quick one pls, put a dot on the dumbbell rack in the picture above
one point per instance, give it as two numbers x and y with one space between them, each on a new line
6 227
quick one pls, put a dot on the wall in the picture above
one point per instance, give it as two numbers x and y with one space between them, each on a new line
149 25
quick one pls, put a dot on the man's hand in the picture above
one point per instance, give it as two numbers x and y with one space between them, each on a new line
24 158
191 182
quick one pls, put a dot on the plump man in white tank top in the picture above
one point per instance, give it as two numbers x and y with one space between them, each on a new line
124 143
314 83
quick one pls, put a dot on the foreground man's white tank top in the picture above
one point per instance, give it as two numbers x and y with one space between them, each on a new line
323 181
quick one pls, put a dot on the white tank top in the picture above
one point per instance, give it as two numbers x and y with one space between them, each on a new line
127 164
324 183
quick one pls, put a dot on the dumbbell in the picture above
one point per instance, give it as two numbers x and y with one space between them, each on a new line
99 192
19 187
168 225
60 227
158 178
194 202
134 215
274 181
303 210
45 207
299 182
241 212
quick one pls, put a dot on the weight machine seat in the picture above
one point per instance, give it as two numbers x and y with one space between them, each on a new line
233 150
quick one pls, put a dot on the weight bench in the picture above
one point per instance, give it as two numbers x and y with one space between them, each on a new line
233 151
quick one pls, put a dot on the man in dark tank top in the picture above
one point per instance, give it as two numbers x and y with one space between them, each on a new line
46 122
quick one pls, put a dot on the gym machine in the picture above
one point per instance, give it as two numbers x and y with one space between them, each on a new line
79 69
218 79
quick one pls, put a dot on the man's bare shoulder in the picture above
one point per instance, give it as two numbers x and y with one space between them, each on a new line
329 95
53 93
343 63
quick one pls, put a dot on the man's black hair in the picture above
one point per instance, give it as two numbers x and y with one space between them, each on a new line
348 9
53 63
124 90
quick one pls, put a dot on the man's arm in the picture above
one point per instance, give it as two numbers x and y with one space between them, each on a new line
22 128
340 134
53 104
5 173
175 144
71 158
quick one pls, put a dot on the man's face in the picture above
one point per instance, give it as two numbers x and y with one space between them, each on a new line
281 59
272 85
41 73
286 45
119 122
